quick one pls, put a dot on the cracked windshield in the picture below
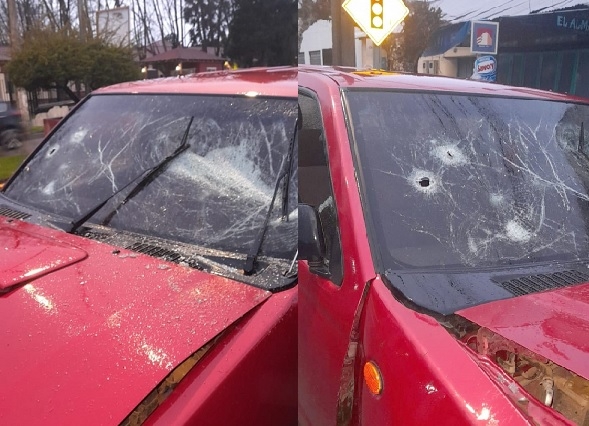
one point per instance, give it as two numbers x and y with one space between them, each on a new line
220 161
484 181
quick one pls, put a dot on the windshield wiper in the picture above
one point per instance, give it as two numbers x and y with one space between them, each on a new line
142 180
252 256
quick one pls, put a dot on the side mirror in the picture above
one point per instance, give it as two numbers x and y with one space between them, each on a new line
311 246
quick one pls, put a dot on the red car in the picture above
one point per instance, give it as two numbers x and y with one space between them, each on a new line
147 272
444 246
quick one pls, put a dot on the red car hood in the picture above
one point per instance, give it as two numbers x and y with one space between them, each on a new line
553 324
86 331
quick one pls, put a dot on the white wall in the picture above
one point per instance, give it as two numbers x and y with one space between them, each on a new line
447 62
3 91
55 112
317 37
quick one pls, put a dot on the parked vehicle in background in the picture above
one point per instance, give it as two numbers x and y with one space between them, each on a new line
444 245
147 271
11 127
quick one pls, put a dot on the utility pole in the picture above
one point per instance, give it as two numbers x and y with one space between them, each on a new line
82 15
181 23
342 36
14 45
145 27
12 23
82 18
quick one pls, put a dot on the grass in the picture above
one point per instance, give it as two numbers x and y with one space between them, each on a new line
8 165
36 129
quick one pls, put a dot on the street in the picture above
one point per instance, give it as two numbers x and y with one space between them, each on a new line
28 146
17 155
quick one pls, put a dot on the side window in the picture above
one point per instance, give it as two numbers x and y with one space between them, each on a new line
315 182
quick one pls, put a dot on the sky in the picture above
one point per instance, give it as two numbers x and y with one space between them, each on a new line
464 10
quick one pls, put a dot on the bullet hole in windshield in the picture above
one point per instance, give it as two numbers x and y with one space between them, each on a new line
424 182
450 154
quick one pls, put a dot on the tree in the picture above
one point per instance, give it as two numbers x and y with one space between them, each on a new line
156 25
108 65
54 59
151 20
262 33
210 22
406 48
311 11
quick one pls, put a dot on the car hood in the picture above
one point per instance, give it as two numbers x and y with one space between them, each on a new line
88 330
553 324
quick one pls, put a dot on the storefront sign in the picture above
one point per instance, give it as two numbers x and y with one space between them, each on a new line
485 68
484 36
575 23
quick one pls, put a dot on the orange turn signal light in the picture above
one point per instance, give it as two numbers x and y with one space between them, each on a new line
373 378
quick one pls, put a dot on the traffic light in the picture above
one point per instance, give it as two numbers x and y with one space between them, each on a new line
376 14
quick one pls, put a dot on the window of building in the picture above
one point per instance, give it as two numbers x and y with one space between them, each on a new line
327 56
517 70
315 57
582 74
531 67
567 66
548 71
504 68
465 67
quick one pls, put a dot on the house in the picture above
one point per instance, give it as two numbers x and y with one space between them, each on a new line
5 90
547 50
183 60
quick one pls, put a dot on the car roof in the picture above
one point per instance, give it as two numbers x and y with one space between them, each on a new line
351 78
274 82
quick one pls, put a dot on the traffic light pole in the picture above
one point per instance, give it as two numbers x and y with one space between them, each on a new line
342 36
19 94
376 58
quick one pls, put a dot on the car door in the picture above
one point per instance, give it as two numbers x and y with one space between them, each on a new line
329 292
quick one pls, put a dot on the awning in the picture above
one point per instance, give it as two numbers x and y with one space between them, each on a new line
446 38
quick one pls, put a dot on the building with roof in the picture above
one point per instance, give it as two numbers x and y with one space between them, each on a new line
546 50
5 90
183 60
317 47
468 10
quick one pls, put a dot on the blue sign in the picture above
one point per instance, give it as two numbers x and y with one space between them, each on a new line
485 68
484 37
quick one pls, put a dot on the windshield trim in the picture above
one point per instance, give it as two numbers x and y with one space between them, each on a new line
524 96
286 252
376 254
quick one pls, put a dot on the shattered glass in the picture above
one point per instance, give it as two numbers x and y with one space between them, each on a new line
215 194
456 181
